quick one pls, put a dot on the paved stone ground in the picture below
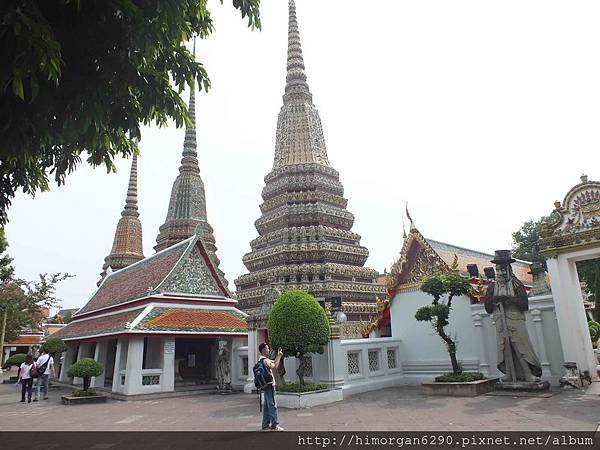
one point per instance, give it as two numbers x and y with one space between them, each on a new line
401 409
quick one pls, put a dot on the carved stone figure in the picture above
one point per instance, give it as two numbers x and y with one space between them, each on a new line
506 299
224 367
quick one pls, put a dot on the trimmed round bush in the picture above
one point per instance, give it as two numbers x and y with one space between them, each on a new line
54 345
594 330
299 325
85 368
15 360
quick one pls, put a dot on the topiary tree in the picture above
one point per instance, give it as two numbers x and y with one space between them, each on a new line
15 360
450 284
54 345
85 368
299 325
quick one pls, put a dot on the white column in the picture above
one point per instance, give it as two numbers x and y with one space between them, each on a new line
484 364
100 357
82 353
336 363
167 381
252 359
119 365
67 362
5 356
133 376
536 316
570 314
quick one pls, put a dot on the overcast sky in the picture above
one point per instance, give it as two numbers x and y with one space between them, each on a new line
478 113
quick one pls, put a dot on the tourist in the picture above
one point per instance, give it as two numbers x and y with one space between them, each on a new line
45 365
25 378
270 421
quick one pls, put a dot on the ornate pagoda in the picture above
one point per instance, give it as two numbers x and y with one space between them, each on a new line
305 239
187 204
127 244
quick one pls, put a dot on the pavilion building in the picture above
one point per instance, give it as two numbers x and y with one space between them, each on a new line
158 324
305 232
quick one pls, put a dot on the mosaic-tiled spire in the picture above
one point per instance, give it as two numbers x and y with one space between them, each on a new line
305 231
299 138
187 205
127 245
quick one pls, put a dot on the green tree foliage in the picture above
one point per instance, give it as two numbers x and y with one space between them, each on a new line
443 287
85 368
54 345
24 302
526 242
526 246
6 268
79 77
299 325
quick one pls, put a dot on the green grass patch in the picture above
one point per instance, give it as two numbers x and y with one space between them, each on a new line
84 392
464 377
297 388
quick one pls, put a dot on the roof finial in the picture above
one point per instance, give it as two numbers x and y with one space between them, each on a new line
403 229
412 225
296 85
131 207
189 162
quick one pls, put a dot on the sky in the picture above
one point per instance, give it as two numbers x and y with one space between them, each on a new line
479 114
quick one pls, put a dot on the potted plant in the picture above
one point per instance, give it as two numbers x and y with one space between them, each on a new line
85 368
444 287
299 325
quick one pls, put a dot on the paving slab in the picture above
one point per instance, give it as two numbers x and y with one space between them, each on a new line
400 408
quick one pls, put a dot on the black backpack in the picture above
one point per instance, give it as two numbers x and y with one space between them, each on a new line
262 375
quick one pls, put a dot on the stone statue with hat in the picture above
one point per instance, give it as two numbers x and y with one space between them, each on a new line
506 299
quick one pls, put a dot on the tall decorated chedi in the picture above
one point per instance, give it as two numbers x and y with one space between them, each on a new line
127 245
187 205
305 239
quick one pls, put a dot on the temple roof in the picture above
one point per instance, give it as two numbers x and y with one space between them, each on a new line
184 268
158 318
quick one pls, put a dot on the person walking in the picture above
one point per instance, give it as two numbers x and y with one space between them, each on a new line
45 366
270 421
26 379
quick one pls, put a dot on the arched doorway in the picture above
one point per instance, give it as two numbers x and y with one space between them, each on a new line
569 235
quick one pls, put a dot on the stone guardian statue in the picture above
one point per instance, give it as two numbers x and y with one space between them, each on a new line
506 300
224 367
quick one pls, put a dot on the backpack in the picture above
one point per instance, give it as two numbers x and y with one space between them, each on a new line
42 369
34 371
262 375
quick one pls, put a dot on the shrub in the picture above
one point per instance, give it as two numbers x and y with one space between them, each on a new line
297 387
85 368
594 330
84 392
464 377
299 325
54 345
15 360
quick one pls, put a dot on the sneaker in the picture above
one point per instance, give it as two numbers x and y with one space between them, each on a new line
29 400
278 428
22 401
45 398
35 399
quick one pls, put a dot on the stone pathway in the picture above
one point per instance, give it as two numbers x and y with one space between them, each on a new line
399 408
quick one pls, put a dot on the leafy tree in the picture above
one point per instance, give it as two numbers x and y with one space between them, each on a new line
22 303
526 242
6 268
450 284
79 77
54 345
85 368
299 325
526 246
